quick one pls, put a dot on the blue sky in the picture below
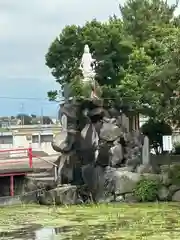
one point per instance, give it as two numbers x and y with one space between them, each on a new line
27 27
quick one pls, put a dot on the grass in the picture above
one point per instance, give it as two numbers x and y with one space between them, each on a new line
118 221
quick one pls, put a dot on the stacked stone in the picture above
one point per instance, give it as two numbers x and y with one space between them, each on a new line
124 148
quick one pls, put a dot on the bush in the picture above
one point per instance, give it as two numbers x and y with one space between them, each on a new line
146 190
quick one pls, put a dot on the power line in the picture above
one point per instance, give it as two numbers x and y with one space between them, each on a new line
22 98
53 102
29 99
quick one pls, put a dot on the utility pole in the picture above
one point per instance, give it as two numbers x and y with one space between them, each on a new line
22 114
41 117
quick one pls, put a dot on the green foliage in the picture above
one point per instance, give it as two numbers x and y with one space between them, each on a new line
155 130
146 190
139 54
141 17
52 95
79 89
174 174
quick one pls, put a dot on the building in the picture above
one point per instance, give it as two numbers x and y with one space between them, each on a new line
39 138
6 122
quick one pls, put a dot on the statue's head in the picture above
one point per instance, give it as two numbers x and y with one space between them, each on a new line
86 49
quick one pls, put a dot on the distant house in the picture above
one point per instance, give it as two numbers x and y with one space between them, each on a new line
6 122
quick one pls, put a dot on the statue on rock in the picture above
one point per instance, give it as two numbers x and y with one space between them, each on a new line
79 135
87 65
91 140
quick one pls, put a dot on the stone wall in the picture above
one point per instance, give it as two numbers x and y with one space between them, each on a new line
164 159
119 185
115 185
123 182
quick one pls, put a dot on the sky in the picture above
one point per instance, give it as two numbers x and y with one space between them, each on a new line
27 28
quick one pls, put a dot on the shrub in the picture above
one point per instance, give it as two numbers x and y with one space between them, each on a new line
146 190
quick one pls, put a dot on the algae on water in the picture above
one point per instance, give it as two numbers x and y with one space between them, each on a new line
111 221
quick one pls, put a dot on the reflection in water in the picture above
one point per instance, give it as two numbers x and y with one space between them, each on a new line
45 233
36 232
33 232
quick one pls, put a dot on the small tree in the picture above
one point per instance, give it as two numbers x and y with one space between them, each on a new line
25 119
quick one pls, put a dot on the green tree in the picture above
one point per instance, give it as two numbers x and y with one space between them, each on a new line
165 85
150 76
155 130
107 42
139 54
146 19
25 119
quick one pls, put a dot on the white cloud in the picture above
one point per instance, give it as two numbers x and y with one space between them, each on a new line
28 27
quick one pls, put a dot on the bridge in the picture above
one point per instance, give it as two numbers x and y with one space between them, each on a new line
22 161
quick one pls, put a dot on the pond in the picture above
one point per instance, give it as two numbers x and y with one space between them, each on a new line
110 221
49 233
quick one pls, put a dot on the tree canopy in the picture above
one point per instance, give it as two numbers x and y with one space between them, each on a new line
140 54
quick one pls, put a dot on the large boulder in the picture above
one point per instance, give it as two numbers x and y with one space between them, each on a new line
176 196
110 132
120 182
65 195
116 155
144 168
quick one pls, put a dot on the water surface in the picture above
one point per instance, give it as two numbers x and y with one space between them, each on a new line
36 232
104 221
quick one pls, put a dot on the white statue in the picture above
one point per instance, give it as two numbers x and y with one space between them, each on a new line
87 64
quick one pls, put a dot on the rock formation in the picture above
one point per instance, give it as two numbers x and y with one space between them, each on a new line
99 160
93 137
90 148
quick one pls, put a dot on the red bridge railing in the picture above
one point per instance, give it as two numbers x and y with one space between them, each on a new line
16 151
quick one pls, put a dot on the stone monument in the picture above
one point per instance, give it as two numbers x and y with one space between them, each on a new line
92 139
145 151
